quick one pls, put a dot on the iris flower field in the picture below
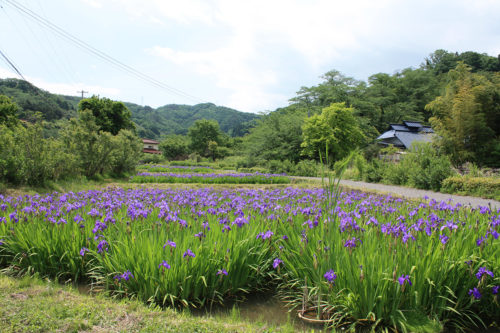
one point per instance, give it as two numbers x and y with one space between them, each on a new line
367 261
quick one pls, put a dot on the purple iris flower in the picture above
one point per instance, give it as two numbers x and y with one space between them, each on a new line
240 221
125 276
351 243
170 243
222 272
82 251
330 276
277 262
480 241
1 242
475 292
494 290
188 253
483 271
102 246
404 278
164 264
443 239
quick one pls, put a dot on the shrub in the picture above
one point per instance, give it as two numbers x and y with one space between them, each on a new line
426 168
27 158
276 166
479 186
306 168
394 173
151 158
374 171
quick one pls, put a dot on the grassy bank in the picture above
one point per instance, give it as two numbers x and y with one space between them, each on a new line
35 305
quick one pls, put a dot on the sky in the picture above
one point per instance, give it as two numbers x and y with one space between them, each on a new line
252 56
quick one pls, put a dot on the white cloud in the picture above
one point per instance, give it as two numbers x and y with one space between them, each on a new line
185 11
93 3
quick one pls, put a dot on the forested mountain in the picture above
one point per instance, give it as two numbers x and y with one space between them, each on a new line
32 100
176 119
151 123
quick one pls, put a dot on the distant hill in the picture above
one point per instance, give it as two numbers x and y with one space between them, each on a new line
151 123
32 100
176 119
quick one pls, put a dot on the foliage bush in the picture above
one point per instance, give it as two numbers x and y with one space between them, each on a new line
276 166
425 167
28 158
488 187
421 167
374 171
252 170
306 168
151 159
394 173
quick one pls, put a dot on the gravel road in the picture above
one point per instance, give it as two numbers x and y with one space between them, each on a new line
408 192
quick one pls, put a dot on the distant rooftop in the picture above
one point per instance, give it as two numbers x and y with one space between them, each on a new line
403 135
150 141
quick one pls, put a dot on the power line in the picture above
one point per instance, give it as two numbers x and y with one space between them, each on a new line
90 49
12 65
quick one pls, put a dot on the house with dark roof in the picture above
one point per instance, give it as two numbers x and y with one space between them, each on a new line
151 146
404 135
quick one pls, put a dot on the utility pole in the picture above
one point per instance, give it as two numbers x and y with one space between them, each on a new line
82 92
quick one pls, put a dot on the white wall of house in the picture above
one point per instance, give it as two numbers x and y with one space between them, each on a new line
151 146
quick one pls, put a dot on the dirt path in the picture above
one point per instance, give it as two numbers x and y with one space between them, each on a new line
413 193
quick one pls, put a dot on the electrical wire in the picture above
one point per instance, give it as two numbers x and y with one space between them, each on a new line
11 64
90 49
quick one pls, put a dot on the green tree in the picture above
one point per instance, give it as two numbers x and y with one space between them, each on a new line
467 116
110 116
277 136
8 111
26 157
336 128
174 146
201 133
127 152
93 148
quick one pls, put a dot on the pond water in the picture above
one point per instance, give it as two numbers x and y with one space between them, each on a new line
264 309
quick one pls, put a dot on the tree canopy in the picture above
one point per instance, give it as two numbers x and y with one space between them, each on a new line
202 133
467 116
335 129
110 116
8 111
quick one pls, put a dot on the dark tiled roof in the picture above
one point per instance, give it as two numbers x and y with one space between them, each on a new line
403 135
407 138
399 127
413 124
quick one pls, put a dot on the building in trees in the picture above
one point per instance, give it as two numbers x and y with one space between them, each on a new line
404 135
150 146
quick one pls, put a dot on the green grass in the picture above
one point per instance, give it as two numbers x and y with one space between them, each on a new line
30 304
